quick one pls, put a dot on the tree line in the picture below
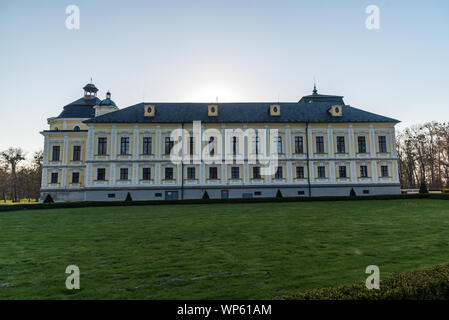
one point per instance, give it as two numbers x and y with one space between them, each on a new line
423 156
423 152
19 179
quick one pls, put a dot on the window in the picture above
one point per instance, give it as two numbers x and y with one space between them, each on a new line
76 128
213 173
212 145
146 174
257 193
278 142
123 173
111 195
234 145
319 144
147 145
168 145
321 172
168 173
55 153
299 172
382 144
361 141
102 149
75 177
300 193
124 145
256 145
101 174
341 144
363 171
158 194
384 171
191 173
256 173
342 172
191 146
366 191
76 153
235 173
278 174
299 145
54 177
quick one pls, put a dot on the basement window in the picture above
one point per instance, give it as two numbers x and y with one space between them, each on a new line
365 191
257 193
301 193
158 195
111 195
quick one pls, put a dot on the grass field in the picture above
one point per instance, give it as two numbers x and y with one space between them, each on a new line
216 251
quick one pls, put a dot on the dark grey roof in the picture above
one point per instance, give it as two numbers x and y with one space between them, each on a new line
244 112
81 108
322 98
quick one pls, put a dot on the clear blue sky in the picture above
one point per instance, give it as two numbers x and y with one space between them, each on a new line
236 50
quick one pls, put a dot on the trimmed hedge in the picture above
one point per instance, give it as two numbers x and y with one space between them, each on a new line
427 284
84 204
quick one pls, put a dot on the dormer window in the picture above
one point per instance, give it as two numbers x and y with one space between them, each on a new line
336 111
212 110
149 111
275 110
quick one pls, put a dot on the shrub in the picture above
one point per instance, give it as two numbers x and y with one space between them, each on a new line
423 188
279 194
431 283
48 199
84 204
205 195
352 192
128 197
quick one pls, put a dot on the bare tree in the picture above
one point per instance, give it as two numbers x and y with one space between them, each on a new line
423 155
4 182
12 158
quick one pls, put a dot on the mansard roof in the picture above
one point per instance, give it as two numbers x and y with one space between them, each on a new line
81 108
241 112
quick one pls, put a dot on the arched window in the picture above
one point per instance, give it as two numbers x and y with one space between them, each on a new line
76 128
56 128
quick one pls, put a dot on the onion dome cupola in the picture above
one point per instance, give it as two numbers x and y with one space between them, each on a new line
105 106
107 102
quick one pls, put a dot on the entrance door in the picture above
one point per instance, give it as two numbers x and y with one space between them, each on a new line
171 195
224 194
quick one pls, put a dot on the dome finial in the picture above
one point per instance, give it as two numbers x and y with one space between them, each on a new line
314 87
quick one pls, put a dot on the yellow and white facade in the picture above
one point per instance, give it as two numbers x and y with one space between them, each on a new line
94 151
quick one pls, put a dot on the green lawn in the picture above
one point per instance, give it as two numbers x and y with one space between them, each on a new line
216 251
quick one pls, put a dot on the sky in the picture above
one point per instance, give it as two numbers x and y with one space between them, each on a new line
200 51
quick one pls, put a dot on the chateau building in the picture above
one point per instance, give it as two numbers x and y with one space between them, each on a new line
95 151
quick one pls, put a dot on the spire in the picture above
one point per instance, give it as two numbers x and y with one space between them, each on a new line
314 88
